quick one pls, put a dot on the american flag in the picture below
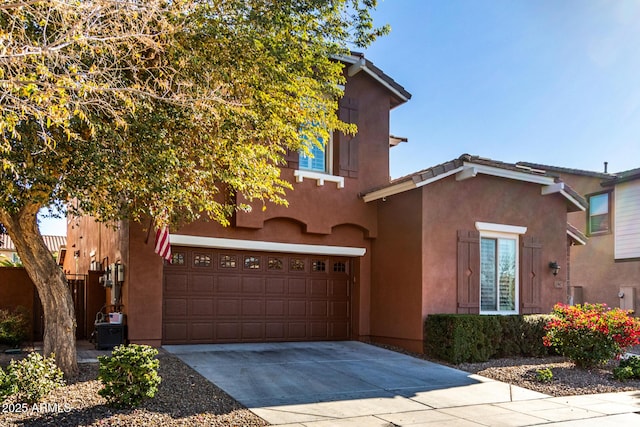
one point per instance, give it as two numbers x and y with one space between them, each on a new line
163 247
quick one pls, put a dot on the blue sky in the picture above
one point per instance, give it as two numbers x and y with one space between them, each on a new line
547 81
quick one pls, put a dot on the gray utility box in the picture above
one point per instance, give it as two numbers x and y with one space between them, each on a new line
109 335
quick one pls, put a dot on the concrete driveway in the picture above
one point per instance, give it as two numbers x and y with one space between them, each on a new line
352 383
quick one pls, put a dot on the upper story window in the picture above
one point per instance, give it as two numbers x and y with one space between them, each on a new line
320 158
334 160
599 220
627 220
318 165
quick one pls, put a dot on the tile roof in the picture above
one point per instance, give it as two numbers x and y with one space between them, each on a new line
559 169
621 177
576 235
608 178
494 167
52 242
445 167
358 60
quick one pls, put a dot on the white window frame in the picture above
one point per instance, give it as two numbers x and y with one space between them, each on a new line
626 217
328 158
507 232
320 177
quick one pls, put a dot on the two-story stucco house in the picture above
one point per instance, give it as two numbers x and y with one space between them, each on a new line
355 255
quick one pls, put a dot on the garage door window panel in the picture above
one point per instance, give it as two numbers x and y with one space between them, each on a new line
228 261
177 259
252 263
201 260
339 267
275 264
319 266
297 265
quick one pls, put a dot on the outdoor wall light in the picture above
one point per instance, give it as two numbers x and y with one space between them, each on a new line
554 267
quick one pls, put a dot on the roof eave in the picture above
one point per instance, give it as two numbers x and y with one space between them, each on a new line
360 63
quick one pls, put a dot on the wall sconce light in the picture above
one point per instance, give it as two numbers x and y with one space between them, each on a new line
554 267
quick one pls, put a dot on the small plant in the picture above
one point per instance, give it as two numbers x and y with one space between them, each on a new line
34 377
14 326
629 369
544 375
129 375
591 334
7 387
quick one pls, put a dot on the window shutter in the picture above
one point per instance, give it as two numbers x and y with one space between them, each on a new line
468 275
530 275
292 158
347 145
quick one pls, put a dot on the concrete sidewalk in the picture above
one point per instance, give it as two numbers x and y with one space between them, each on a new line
355 384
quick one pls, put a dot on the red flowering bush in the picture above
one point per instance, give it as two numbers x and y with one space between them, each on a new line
591 334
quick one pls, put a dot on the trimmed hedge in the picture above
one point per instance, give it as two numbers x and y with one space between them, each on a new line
458 338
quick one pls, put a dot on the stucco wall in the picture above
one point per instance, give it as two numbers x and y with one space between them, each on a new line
451 205
317 215
317 209
17 290
373 130
320 208
415 254
396 293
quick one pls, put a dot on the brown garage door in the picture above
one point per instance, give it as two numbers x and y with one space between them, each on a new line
215 296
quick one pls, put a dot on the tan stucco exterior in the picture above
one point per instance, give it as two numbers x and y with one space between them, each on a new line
593 266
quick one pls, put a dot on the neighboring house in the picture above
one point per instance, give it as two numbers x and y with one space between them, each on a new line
8 249
607 269
354 256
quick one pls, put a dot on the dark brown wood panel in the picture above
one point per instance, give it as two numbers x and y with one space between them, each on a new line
216 296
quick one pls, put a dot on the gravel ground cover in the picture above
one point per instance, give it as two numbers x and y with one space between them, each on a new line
187 399
567 379
184 398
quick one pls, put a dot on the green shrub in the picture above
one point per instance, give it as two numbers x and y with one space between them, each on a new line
628 369
458 338
34 377
533 331
509 342
461 338
129 375
7 387
591 334
14 326
544 375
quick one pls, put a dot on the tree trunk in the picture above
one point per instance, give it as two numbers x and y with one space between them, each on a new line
51 284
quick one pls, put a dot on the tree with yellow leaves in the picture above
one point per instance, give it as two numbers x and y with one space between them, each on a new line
162 109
